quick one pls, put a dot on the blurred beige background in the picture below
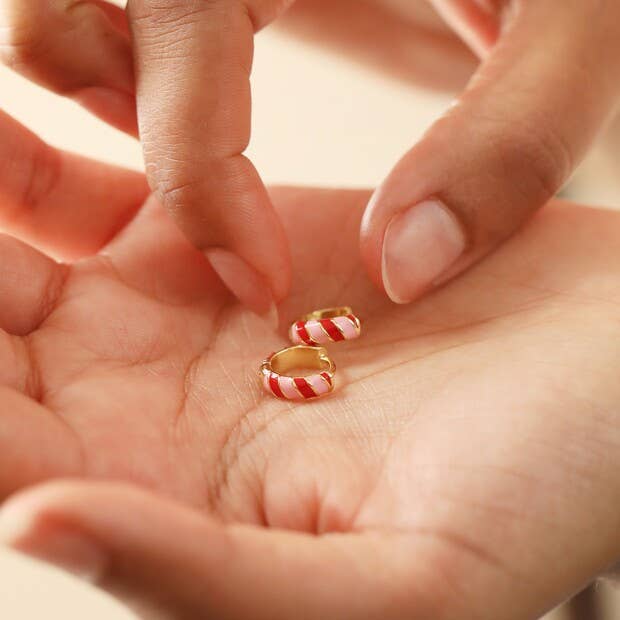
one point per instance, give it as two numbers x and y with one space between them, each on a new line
317 120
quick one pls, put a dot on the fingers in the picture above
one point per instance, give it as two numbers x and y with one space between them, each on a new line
476 21
27 431
30 285
75 48
67 204
193 64
120 537
193 136
501 152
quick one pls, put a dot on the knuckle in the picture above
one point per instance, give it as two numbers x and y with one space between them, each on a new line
190 190
23 41
165 13
35 177
177 191
537 156
64 45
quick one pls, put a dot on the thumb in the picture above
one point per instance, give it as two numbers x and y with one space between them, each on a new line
170 561
510 142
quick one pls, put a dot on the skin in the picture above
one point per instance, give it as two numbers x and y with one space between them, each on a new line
446 477
538 96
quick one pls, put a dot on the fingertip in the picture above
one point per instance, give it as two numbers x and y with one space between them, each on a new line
25 510
371 239
16 520
32 523
250 287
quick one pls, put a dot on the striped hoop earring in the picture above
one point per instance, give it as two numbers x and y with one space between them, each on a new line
294 387
324 326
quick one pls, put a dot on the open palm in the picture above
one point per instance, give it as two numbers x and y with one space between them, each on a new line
471 440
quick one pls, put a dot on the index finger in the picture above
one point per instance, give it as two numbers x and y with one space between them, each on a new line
193 60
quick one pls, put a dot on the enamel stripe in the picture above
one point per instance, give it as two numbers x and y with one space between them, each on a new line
302 333
332 330
304 388
355 321
274 384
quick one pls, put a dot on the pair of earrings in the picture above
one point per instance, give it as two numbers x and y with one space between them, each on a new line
307 335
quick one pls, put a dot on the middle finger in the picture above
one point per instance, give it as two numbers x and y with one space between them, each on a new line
77 48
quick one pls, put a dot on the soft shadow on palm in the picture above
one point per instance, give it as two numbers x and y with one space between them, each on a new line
144 369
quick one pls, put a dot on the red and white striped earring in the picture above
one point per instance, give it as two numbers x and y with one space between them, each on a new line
324 326
290 387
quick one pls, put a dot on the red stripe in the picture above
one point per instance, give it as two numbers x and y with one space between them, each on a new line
302 332
354 320
326 377
334 333
275 386
304 387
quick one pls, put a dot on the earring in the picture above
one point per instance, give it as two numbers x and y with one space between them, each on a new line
289 387
324 326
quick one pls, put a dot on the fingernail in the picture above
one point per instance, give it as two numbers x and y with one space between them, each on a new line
419 246
245 283
53 543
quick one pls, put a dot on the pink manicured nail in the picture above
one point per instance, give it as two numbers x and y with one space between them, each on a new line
420 245
245 283
56 544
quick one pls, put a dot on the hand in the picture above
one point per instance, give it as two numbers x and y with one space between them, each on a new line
545 87
465 467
